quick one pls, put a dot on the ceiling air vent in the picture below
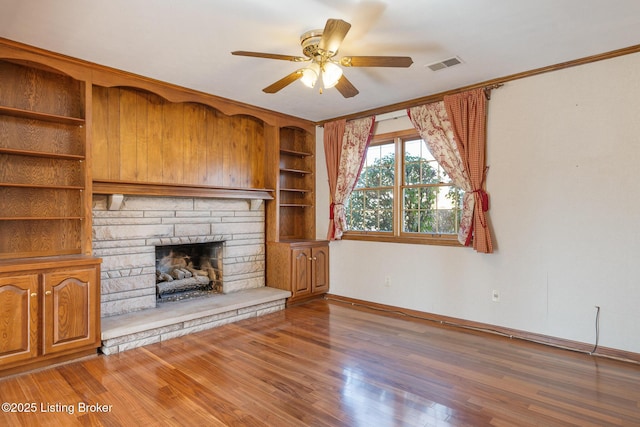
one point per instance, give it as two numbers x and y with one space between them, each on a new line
445 64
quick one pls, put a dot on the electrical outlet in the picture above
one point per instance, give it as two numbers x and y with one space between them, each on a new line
387 282
495 295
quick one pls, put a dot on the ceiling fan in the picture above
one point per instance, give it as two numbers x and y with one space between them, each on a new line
320 48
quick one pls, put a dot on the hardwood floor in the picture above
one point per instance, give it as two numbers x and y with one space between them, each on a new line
328 364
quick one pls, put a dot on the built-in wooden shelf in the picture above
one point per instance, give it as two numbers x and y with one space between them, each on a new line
295 197
36 115
295 153
298 171
44 208
296 190
43 186
43 154
40 218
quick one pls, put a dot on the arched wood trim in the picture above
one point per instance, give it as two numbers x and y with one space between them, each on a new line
111 77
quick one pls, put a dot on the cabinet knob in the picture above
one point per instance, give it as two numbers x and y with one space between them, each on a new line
34 294
315 258
47 293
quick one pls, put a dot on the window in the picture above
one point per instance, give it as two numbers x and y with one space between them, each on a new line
403 194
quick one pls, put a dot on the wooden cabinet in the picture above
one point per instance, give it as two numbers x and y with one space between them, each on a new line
50 313
299 266
68 315
43 173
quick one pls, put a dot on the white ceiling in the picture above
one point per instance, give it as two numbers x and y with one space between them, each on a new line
188 42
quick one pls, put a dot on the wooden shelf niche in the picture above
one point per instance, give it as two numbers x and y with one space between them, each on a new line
296 198
43 173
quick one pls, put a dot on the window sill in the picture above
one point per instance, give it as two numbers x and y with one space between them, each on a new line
448 240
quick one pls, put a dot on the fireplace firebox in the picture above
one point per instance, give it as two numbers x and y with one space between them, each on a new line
188 270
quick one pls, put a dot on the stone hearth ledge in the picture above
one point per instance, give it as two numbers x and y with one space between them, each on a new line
175 319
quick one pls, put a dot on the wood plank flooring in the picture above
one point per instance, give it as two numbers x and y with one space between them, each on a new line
329 364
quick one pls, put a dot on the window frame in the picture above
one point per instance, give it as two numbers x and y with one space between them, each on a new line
397 235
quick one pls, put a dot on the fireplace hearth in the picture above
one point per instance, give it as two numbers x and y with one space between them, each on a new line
188 270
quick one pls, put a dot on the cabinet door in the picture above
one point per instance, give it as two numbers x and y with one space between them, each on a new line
18 318
320 273
70 301
300 271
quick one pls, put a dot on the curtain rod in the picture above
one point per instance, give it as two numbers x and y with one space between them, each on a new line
488 89
393 114
420 101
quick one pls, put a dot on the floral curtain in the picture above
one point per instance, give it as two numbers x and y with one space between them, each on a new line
435 129
455 133
348 154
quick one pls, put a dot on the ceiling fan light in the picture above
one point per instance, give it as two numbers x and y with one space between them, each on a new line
310 75
331 73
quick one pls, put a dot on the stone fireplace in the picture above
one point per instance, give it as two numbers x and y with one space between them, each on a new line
126 240
127 236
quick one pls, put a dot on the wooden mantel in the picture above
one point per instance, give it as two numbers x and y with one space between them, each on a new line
162 190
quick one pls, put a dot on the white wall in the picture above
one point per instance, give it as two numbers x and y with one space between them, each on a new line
564 156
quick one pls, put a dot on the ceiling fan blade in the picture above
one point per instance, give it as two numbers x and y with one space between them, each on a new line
376 61
334 32
284 82
346 88
270 56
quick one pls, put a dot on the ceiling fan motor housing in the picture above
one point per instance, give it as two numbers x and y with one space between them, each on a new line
309 42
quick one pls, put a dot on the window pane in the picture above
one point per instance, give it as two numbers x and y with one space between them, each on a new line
386 220
451 208
378 168
420 167
419 204
411 198
432 210
386 199
428 223
387 172
411 221
354 209
370 207
370 220
370 210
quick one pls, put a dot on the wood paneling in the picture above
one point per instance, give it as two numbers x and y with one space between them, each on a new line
139 137
327 364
